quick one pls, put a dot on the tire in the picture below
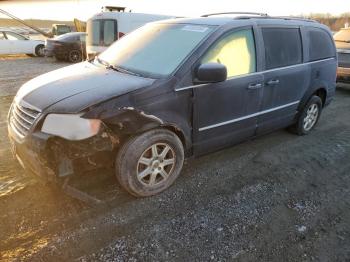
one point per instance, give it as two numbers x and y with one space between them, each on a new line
311 113
140 167
39 50
75 56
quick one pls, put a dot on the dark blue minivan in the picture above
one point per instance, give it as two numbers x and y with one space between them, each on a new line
172 90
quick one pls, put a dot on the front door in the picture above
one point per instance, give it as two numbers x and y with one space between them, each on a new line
19 44
225 112
4 44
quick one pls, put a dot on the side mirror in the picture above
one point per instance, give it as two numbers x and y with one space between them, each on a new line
211 73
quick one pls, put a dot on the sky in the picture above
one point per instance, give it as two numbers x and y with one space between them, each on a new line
83 9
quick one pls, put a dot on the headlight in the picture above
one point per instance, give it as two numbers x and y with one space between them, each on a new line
71 127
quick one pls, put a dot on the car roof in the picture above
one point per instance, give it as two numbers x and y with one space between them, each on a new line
244 20
10 31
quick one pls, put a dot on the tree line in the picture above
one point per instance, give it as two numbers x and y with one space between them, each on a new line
335 23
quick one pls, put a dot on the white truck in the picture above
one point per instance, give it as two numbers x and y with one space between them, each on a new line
113 23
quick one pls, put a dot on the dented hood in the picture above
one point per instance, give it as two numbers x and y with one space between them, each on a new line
85 83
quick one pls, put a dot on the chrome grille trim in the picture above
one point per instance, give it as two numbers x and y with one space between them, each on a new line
22 119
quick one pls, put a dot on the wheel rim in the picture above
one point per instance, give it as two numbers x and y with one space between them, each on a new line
156 164
311 117
74 56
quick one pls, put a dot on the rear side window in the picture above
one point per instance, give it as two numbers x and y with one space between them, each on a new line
283 47
236 51
320 45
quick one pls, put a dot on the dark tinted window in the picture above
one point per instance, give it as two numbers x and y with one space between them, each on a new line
282 47
321 44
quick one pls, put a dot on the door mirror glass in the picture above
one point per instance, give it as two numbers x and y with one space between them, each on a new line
211 73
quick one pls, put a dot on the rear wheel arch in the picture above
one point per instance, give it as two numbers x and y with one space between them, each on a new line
320 91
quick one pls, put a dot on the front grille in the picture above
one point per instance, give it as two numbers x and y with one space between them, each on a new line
344 59
22 119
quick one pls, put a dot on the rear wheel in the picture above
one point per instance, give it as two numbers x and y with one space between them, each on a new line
75 56
39 50
149 163
309 116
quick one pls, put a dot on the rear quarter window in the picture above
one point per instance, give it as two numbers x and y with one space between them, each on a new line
283 47
320 44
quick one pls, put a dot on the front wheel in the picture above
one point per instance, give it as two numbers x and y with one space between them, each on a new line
149 163
39 50
309 116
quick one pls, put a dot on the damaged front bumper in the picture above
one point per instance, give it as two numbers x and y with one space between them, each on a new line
53 158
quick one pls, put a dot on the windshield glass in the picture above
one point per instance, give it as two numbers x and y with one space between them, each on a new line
343 35
155 50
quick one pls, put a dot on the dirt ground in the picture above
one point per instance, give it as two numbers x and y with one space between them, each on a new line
276 198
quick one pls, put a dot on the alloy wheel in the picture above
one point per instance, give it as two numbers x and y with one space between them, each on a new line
311 117
156 164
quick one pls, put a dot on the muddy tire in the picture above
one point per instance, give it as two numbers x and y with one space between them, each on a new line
39 50
149 163
75 56
308 117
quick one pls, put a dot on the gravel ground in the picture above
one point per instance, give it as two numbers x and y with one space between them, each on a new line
276 198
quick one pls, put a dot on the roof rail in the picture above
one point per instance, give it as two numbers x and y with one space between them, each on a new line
237 13
294 18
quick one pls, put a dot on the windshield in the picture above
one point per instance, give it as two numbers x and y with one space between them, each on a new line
343 35
155 50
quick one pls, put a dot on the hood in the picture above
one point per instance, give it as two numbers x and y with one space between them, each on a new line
342 46
87 82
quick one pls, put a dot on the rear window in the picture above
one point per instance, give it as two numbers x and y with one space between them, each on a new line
283 47
102 32
321 44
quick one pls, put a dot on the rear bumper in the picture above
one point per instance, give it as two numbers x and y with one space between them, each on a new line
343 74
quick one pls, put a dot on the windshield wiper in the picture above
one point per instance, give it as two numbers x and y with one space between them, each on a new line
123 70
102 62
116 68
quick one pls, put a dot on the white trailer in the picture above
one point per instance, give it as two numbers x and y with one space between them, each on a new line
108 26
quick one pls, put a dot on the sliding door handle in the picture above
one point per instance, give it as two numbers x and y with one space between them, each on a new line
255 86
273 82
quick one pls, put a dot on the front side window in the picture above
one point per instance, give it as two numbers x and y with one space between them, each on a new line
283 47
155 50
236 51
13 36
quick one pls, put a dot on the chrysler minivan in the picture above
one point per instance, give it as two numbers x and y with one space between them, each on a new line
172 90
